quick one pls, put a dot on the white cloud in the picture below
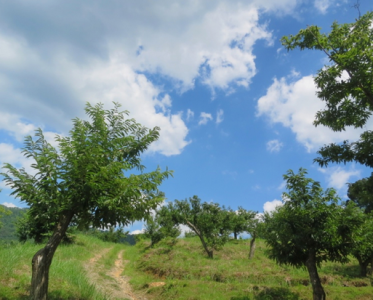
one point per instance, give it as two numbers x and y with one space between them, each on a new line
7 204
10 154
138 231
338 177
190 115
204 118
274 146
219 116
323 5
294 105
270 206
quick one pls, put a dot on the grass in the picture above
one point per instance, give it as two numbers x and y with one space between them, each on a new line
68 278
178 270
189 274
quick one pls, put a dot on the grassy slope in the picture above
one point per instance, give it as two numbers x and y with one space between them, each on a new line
189 274
67 275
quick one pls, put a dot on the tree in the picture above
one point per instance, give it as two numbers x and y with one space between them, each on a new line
346 85
204 219
309 228
238 220
361 193
86 179
362 247
254 228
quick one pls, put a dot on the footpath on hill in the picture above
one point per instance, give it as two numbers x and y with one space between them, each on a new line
111 283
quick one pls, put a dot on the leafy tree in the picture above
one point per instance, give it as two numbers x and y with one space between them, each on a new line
362 247
346 85
254 228
309 228
361 192
204 219
86 179
238 221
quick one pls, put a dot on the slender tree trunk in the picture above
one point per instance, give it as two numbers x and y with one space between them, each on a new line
210 253
235 235
252 247
43 259
317 289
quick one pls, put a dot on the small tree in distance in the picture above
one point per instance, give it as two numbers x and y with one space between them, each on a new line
204 219
86 180
309 228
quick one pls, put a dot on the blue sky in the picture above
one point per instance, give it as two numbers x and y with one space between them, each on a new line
234 107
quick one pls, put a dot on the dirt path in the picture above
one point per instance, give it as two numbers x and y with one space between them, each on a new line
111 283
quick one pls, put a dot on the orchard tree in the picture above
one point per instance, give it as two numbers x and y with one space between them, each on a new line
204 219
254 227
346 85
160 226
238 221
361 193
309 228
362 247
87 180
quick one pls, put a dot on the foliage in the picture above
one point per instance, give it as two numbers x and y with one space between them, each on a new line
87 180
307 220
361 193
205 219
310 227
161 226
238 221
111 234
362 247
346 85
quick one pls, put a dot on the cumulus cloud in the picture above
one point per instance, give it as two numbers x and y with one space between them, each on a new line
270 206
219 116
294 105
204 118
274 146
338 177
50 69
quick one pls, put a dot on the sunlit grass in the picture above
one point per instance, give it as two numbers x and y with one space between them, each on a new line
189 274
67 277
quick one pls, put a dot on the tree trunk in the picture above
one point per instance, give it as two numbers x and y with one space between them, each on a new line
252 247
210 253
317 289
363 267
43 259
235 235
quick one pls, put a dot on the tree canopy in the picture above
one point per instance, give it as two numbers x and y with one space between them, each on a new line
309 228
86 179
346 85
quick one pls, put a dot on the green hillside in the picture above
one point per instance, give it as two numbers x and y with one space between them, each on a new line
189 274
173 269
8 229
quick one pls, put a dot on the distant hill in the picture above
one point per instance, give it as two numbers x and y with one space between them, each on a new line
8 228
